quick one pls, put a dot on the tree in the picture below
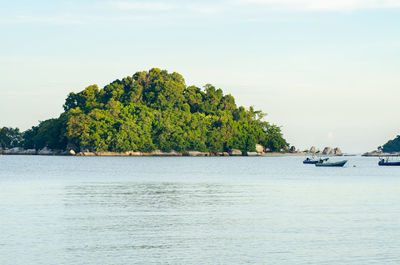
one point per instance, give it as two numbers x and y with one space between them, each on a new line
274 139
10 137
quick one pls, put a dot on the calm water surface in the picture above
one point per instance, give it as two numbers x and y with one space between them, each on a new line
237 210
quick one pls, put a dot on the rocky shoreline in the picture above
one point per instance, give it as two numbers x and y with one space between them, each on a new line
233 152
377 153
260 151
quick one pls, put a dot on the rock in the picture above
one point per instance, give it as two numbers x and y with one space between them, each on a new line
46 151
235 152
134 153
337 151
85 154
312 149
72 152
259 148
161 153
157 153
252 154
173 153
14 151
63 153
328 151
292 149
108 154
30 152
194 153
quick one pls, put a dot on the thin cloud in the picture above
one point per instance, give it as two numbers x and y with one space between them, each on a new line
55 20
322 5
144 6
163 6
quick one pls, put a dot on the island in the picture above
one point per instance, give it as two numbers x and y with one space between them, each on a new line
390 148
149 113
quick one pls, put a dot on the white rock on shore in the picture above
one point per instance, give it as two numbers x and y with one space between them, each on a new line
235 152
259 148
338 152
45 151
161 153
194 153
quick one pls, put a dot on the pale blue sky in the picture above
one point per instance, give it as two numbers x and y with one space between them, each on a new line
327 71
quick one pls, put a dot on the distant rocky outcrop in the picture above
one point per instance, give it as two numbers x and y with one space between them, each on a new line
327 151
332 151
380 153
338 152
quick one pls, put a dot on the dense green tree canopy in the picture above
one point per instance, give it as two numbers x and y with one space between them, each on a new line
10 137
154 110
392 145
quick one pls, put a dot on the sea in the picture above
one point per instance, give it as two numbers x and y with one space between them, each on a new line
197 210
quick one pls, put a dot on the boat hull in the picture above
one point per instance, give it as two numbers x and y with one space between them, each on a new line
310 161
389 163
334 164
313 162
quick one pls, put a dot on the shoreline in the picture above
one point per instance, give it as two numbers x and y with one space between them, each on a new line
156 153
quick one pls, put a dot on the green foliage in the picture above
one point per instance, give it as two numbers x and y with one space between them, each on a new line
154 110
50 133
10 137
274 139
392 145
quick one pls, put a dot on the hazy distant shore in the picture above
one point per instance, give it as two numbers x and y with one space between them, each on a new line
375 153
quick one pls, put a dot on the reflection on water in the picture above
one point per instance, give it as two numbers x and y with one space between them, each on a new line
208 211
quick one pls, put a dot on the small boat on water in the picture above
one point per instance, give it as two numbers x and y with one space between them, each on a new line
314 161
386 162
331 164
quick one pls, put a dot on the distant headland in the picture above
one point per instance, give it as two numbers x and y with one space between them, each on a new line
150 113
390 148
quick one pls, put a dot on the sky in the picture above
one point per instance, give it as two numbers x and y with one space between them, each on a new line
326 71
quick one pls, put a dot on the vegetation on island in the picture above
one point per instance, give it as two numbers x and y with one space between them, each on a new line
10 137
392 145
147 111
